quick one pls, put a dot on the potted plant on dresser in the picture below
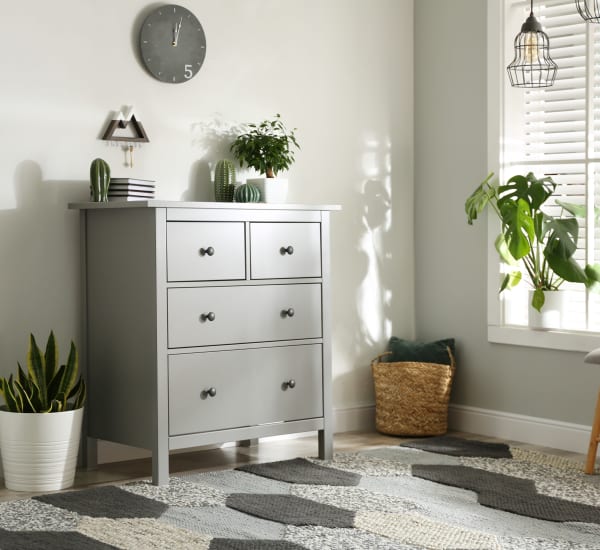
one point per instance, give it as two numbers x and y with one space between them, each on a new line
267 147
40 422
534 241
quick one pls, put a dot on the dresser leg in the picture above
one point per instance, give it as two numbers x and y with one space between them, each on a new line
247 442
325 444
160 467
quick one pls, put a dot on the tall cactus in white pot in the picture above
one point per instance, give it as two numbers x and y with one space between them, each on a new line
40 423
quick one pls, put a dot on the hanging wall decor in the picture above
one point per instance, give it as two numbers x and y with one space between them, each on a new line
532 66
589 10
125 120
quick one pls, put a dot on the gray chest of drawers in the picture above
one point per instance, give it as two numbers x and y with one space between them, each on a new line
206 323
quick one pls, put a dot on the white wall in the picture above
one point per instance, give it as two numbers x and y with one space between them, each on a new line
451 257
338 70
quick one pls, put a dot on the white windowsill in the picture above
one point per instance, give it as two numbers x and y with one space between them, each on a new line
548 339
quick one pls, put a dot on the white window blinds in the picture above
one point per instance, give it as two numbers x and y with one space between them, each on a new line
556 131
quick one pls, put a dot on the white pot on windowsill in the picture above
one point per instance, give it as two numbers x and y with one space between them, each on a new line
553 311
272 190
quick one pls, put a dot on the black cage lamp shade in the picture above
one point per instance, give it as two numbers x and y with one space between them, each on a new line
589 10
532 66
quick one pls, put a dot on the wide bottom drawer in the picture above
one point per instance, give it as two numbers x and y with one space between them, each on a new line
231 389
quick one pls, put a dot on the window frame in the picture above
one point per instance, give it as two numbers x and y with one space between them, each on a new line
498 332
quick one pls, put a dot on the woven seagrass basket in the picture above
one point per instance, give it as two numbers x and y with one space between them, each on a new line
412 398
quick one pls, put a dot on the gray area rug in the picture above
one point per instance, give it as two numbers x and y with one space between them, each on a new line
386 498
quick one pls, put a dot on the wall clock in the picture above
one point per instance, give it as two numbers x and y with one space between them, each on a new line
172 44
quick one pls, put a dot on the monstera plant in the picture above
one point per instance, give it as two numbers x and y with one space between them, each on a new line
531 239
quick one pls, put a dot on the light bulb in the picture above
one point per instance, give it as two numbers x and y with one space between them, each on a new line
532 53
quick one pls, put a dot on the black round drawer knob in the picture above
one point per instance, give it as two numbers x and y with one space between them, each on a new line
211 392
291 383
287 250
210 316
288 312
207 251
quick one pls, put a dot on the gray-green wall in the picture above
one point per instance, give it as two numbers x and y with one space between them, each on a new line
450 256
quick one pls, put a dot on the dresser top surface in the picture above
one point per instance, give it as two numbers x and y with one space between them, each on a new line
200 205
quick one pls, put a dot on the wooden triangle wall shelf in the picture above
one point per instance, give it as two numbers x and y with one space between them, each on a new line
140 133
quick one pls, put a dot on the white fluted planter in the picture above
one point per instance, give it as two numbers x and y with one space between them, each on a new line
272 190
39 450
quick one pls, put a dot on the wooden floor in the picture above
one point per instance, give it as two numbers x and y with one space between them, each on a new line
232 456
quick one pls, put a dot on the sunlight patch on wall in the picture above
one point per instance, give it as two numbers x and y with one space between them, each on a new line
374 296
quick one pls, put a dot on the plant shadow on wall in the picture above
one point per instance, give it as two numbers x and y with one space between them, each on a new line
370 283
39 274
212 138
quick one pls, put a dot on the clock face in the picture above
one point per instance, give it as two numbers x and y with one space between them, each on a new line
172 44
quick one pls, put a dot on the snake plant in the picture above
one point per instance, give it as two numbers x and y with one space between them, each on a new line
45 387
530 238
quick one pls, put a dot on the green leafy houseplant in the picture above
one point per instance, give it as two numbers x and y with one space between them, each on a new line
530 239
46 387
267 147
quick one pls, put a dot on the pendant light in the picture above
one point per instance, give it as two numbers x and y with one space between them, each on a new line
589 10
532 66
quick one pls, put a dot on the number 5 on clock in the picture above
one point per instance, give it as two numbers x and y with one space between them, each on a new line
187 71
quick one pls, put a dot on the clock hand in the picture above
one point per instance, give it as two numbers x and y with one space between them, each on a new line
176 31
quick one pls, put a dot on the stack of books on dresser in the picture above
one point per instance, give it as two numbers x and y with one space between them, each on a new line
130 189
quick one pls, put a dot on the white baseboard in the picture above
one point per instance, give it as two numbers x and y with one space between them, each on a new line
517 427
354 419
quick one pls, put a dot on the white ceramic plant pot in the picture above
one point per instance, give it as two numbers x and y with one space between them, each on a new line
272 190
551 316
39 450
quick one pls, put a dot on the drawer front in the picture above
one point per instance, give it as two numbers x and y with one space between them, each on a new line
238 314
271 256
250 387
205 251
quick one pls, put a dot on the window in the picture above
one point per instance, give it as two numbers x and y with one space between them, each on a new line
552 131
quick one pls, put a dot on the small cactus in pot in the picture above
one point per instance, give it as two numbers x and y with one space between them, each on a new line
247 193
224 181
99 180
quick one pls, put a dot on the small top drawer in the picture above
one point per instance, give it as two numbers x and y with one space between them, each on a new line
285 250
205 251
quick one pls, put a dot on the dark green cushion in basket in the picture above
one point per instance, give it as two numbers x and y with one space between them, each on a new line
422 352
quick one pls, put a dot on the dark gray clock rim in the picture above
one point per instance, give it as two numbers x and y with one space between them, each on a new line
201 44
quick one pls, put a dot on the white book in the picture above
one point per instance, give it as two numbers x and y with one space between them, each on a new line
132 180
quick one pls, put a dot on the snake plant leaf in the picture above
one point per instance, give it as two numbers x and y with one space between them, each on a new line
37 372
518 227
81 395
69 376
23 378
35 398
479 199
75 389
9 394
54 386
51 356
25 400
538 299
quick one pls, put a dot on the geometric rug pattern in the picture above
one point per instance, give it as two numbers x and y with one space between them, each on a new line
476 497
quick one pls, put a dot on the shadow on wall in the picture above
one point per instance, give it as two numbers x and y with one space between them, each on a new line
212 138
40 267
